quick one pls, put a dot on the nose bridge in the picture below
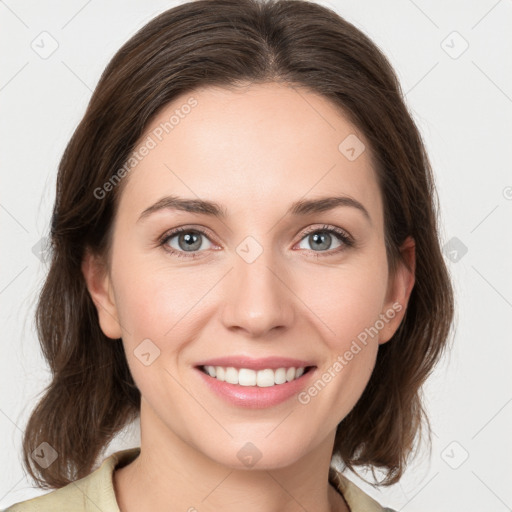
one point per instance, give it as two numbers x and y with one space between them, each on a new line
258 299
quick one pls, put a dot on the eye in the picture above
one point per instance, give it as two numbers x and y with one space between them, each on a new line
189 242
322 238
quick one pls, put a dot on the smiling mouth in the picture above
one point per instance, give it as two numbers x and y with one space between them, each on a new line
256 378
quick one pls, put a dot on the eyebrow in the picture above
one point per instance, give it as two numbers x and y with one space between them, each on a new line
301 207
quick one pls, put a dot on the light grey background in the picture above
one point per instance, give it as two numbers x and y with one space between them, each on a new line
461 99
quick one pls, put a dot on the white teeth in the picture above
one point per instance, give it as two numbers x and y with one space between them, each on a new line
280 376
265 378
231 375
247 377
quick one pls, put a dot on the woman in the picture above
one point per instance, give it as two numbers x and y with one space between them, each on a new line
244 255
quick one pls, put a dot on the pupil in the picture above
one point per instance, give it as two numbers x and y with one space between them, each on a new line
189 241
319 237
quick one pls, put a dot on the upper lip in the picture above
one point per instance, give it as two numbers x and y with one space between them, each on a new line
256 364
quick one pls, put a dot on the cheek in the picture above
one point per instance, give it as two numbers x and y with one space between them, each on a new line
143 307
345 301
153 294
152 297
154 309
347 308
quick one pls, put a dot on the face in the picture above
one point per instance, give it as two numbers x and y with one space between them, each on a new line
260 281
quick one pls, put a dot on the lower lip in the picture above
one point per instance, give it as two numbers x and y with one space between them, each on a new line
254 397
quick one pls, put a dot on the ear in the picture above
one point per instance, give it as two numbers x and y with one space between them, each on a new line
98 283
399 290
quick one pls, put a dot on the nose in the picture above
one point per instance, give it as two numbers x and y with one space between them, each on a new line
258 297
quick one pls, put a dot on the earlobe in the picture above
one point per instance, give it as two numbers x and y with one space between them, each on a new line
399 290
99 286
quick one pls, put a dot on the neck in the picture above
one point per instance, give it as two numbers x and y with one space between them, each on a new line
170 473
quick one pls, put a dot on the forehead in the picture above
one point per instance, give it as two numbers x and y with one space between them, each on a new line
252 148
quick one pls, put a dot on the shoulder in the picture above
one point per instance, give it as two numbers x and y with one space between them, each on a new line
91 493
356 498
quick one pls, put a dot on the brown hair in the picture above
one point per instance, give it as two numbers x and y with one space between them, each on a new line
92 395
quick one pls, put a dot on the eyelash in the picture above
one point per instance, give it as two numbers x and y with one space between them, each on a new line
344 237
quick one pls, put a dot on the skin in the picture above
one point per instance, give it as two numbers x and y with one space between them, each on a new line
254 150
